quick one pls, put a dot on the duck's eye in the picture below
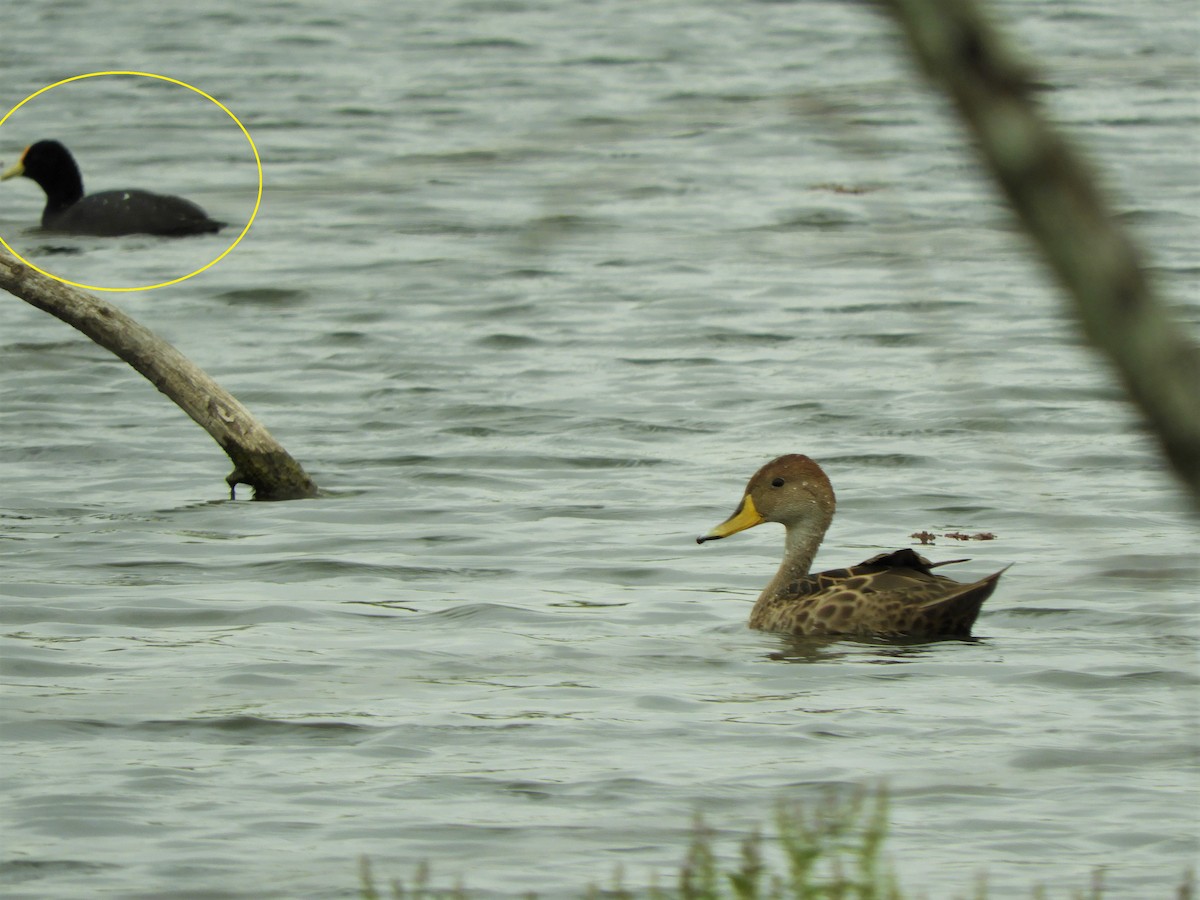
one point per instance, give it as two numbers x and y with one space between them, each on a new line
778 482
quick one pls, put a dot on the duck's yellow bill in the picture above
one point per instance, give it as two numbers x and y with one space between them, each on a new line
745 516
17 168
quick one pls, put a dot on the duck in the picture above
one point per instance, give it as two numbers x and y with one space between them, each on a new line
108 213
893 594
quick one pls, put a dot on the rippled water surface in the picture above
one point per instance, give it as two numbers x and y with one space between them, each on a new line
534 287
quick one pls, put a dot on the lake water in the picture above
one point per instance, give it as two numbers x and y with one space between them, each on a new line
534 287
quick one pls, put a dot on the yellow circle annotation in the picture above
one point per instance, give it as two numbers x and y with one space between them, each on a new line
209 265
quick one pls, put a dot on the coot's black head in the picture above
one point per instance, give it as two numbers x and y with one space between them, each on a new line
53 167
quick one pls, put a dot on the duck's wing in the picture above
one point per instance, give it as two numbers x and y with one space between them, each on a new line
893 593
900 565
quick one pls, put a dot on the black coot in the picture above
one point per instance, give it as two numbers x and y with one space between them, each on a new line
109 213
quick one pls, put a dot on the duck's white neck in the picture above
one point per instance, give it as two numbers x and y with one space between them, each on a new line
800 548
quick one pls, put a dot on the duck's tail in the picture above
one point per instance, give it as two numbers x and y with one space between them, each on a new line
955 613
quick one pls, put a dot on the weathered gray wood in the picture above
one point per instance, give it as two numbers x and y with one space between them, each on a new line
258 459
1056 198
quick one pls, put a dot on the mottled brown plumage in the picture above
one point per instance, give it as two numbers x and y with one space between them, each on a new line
890 594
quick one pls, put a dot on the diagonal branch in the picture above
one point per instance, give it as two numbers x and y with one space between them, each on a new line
1053 192
258 459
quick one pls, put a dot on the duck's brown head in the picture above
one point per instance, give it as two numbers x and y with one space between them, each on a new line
792 490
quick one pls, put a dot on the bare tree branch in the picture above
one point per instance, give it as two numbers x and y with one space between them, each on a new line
258 459
1053 192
